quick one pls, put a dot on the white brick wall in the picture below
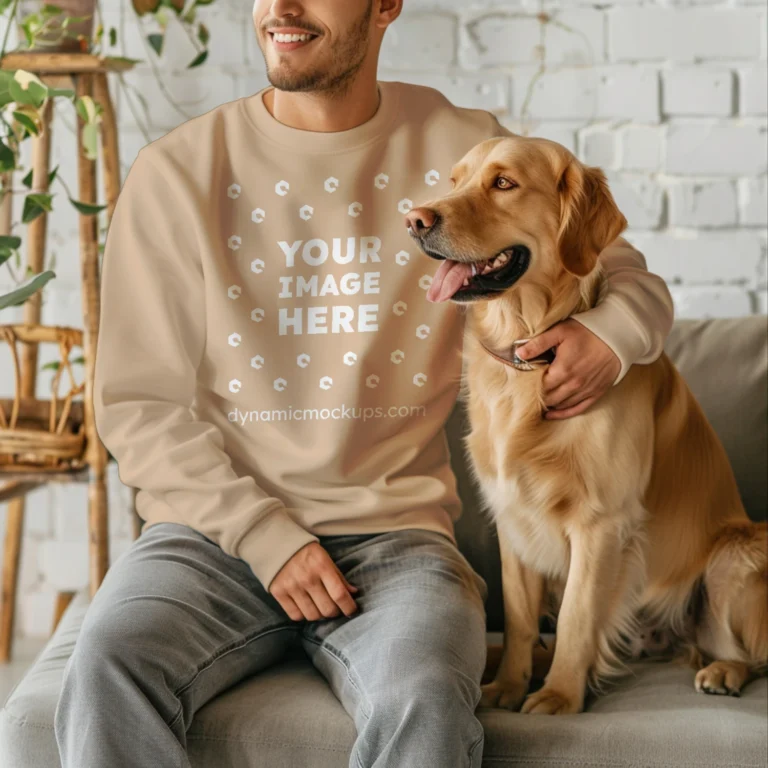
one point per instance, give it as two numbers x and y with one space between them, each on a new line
669 96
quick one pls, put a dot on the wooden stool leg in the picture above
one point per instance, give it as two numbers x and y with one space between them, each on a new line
110 151
96 454
99 528
63 599
14 528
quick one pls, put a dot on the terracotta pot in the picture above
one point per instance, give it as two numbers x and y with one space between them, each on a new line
45 42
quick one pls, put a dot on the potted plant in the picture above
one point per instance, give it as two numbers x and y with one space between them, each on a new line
71 26
67 26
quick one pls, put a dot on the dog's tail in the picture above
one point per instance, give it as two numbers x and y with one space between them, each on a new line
737 583
755 620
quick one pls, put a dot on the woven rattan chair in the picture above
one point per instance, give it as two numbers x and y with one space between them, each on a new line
43 441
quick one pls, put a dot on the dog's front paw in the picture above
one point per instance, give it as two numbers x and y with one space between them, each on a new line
721 677
503 694
549 701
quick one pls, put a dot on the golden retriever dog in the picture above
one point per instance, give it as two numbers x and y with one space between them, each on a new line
627 514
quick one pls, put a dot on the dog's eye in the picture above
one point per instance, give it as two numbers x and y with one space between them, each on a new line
502 182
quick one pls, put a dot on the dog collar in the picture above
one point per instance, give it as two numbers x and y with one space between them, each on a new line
546 358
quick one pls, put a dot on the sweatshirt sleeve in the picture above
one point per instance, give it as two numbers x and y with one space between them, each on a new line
150 344
634 311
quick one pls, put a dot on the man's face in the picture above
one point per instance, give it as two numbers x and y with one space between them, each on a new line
339 30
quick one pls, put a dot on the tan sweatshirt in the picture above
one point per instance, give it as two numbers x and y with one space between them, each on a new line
268 367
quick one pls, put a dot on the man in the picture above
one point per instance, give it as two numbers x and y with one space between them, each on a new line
271 377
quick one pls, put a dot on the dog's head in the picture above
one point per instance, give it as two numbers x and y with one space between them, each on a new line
520 209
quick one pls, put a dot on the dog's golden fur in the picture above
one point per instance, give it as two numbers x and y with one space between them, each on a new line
628 510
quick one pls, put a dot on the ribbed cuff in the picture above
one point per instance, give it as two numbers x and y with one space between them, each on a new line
618 329
269 545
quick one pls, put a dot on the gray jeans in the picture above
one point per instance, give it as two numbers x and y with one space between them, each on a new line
176 621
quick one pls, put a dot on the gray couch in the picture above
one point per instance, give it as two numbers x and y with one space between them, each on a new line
288 718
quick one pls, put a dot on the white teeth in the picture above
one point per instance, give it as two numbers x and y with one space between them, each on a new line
498 261
495 263
466 282
281 38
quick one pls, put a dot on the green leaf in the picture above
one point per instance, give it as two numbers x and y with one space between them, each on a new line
68 20
199 59
112 37
27 122
28 27
123 59
90 140
7 158
26 289
6 77
34 205
203 35
87 208
39 92
156 41
33 94
63 92
88 109
27 180
50 9
9 241
54 364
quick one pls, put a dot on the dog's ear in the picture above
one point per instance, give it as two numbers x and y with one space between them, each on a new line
589 217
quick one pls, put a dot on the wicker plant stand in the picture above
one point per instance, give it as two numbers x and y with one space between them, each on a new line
43 441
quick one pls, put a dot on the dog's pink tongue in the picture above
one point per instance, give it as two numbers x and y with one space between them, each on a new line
448 279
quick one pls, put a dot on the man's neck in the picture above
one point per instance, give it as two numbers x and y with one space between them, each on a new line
319 111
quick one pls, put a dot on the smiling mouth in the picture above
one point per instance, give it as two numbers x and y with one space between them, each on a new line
292 40
463 280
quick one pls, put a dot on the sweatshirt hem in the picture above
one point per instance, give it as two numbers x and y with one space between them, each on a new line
438 523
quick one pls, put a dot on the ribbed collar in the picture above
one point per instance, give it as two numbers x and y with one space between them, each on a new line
314 142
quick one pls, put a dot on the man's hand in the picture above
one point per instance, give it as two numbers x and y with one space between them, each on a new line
310 586
584 368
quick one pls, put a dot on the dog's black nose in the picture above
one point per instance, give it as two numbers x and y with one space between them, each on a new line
420 220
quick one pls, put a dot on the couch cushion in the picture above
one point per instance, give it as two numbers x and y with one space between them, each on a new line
725 363
287 717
